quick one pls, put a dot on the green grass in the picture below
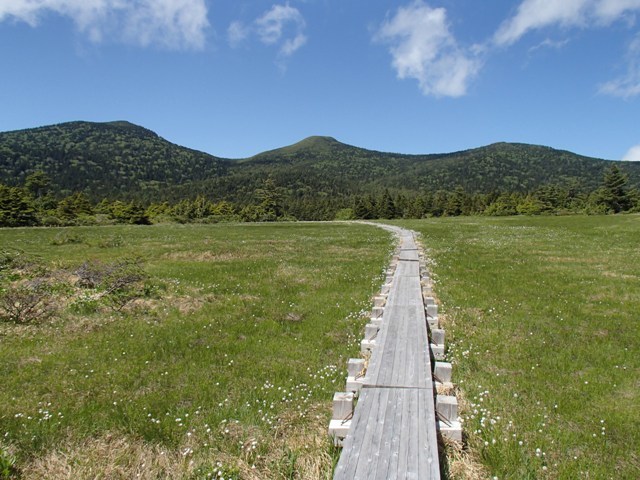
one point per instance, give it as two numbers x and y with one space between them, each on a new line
543 330
232 360
229 366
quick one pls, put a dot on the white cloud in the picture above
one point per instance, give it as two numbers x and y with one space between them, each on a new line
633 155
273 26
282 26
237 33
625 87
628 85
423 48
292 44
549 43
174 24
609 10
536 14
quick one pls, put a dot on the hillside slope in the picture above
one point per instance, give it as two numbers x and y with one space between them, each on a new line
103 159
122 160
508 167
501 166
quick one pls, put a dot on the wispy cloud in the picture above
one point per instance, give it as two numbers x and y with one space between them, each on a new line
633 155
237 33
271 27
549 43
291 45
537 14
610 10
173 24
423 48
282 26
628 85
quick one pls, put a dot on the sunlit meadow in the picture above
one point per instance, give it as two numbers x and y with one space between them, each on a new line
224 368
542 317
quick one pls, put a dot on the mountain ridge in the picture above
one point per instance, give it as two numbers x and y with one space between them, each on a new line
305 143
121 159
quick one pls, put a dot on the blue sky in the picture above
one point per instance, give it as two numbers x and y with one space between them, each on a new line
234 78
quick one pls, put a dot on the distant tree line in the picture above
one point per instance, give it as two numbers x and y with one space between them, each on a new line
35 203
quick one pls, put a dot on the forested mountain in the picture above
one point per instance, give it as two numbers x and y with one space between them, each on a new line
509 167
115 159
324 165
119 160
501 166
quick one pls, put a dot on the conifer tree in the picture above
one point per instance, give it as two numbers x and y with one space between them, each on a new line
360 210
37 183
16 208
271 199
616 196
386 206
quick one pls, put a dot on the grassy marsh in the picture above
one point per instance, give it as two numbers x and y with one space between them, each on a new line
228 366
230 363
541 315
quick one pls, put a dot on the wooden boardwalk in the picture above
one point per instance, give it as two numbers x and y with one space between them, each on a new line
393 431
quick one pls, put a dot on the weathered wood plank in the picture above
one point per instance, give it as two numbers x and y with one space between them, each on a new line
405 323
390 442
391 437
430 462
381 396
409 255
348 463
407 269
402 357
407 420
393 434
412 439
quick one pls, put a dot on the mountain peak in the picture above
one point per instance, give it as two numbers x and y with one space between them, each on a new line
315 142
123 123
319 139
130 127
314 146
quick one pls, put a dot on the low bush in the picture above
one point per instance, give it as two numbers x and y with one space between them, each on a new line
118 283
67 238
113 241
28 302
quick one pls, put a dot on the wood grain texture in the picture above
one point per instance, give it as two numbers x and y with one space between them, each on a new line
393 433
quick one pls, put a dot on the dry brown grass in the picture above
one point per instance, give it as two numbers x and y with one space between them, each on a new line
23 362
206 256
463 462
298 447
290 274
446 390
187 304
116 457
301 446
622 276
109 457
